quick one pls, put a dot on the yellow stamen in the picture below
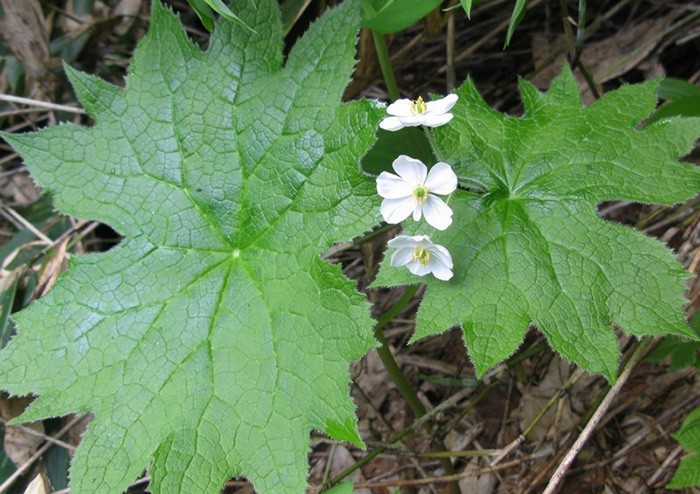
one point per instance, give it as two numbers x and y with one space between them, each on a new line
418 106
421 255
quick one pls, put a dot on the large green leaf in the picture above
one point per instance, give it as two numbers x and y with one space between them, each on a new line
532 249
213 339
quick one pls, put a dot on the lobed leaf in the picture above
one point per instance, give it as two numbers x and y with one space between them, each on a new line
532 249
213 339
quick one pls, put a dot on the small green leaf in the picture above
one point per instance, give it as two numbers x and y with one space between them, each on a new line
467 6
391 16
683 99
205 11
515 18
220 7
291 11
672 88
682 107
682 353
532 250
344 488
688 473
8 291
7 468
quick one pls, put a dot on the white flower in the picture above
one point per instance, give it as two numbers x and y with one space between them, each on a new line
411 113
411 191
421 256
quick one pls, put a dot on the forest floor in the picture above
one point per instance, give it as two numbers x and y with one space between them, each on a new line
505 433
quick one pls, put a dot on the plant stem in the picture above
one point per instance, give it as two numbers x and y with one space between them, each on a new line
390 364
394 371
451 74
580 37
385 64
581 28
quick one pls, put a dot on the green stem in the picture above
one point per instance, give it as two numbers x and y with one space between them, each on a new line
580 37
588 76
392 367
394 371
569 36
581 28
385 64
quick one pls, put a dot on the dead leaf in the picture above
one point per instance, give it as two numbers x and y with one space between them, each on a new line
19 445
534 398
53 267
23 29
340 459
19 190
606 59
483 484
38 486
127 11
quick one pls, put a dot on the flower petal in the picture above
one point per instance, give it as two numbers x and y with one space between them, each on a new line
396 210
417 211
440 271
442 254
392 124
410 169
412 120
437 120
400 108
441 179
418 268
402 257
437 213
442 105
391 186
408 241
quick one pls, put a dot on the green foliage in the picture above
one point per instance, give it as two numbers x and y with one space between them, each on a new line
672 88
409 140
532 249
390 16
7 468
515 19
681 352
688 473
206 10
344 488
213 339
467 6
683 99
